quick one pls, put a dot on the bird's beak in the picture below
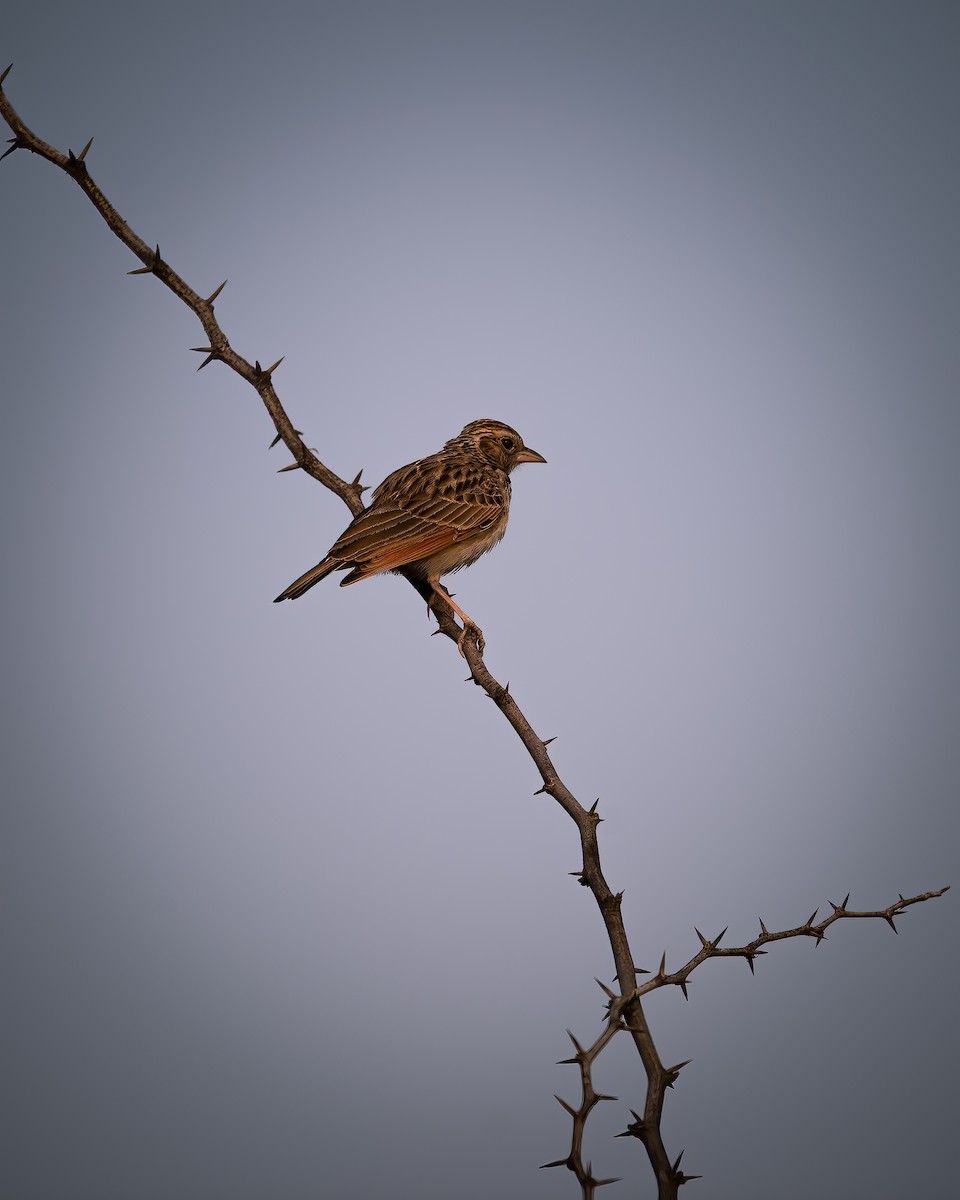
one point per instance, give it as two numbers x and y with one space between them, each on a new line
528 455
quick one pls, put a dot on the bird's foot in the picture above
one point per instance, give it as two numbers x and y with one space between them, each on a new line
471 633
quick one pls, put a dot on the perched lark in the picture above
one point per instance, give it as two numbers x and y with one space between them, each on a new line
432 517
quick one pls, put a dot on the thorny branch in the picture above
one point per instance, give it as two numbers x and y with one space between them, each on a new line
624 1010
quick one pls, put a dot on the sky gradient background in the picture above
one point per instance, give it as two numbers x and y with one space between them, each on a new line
282 917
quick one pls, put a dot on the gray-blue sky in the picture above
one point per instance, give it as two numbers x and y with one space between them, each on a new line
283 918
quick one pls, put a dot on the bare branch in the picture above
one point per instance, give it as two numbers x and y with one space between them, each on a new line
219 347
752 950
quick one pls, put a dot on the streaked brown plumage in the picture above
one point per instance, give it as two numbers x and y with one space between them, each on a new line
432 517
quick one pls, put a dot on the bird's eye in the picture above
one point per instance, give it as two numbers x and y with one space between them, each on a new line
507 443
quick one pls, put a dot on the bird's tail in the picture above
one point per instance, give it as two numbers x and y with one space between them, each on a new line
307 580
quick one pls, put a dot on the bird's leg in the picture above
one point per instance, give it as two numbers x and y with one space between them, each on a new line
471 630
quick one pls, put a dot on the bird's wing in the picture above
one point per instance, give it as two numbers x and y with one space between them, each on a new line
420 510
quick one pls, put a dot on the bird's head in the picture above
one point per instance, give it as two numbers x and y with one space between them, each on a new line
500 444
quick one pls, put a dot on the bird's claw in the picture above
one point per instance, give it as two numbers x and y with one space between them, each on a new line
471 633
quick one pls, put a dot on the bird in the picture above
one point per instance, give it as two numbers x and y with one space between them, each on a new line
432 517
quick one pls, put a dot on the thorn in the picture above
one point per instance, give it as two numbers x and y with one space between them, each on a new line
763 928
637 1128
749 957
561 1162
540 790
294 466
603 1182
812 915
564 1104
563 1062
547 741
6 73
209 350
678 1175
278 438
683 988
576 1045
611 994
434 634
601 1096
846 900
671 1073
716 940
214 294
356 482
889 921
270 370
83 153
703 940
640 971
506 690
663 964
593 806
15 146
148 270
210 357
